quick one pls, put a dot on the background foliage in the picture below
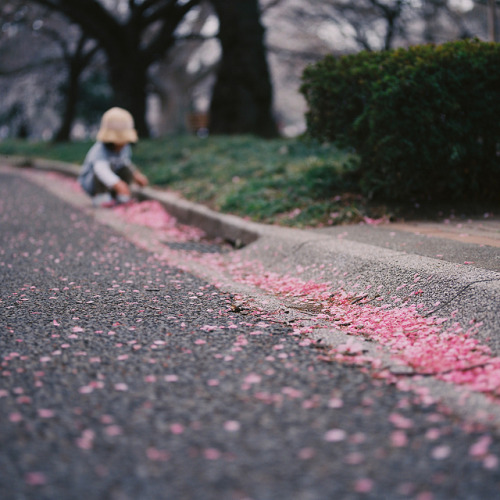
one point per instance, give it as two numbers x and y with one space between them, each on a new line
287 181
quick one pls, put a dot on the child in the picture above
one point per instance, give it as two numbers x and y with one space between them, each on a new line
107 170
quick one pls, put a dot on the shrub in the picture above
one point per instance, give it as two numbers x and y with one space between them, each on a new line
424 120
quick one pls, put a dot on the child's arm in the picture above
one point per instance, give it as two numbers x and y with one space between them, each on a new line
122 188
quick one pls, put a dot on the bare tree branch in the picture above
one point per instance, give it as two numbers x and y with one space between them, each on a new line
165 37
93 18
270 5
28 68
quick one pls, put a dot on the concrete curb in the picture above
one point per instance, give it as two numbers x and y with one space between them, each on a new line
473 291
69 169
228 227
445 289
215 225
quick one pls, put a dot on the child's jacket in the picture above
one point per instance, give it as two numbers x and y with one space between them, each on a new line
112 162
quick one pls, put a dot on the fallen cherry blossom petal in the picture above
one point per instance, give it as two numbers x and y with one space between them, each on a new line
156 455
399 439
480 447
400 421
211 454
306 453
490 462
232 426
441 452
45 413
113 430
335 403
176 428
35 479
335 435
363 485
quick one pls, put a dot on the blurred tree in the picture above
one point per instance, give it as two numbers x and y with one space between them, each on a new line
387 15
386 24
298 32
134 34
95 95
187 72
26 61
43 43
492 20
76 60
242 95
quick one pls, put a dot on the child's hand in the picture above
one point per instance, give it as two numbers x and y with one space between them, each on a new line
140 179
121 188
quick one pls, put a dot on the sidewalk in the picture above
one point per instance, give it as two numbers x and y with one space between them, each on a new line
125 375
400 265
462 257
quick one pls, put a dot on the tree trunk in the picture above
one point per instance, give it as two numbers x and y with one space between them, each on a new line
70 101
76 64
242 96
492 21
129 82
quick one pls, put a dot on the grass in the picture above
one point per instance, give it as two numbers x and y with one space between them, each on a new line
290 182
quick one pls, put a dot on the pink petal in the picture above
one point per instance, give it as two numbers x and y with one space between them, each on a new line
335 435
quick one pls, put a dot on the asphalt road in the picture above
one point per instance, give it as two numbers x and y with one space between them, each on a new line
123 378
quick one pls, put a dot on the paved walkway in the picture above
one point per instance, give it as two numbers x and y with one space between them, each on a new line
478 231
125 376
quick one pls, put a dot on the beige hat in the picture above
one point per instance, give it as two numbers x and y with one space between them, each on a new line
117 127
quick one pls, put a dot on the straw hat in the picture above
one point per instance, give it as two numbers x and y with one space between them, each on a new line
117 127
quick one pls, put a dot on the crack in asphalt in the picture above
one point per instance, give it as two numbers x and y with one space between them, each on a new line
430 313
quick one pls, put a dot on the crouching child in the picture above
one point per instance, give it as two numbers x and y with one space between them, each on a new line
108 171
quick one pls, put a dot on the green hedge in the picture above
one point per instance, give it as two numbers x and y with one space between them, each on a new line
424 120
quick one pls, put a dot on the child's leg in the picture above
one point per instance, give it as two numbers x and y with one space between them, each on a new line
102 196
102 181
126 175
99 187
103 177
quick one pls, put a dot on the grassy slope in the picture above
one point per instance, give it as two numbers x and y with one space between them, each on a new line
286 181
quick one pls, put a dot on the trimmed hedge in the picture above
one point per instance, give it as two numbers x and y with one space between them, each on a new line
424 120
